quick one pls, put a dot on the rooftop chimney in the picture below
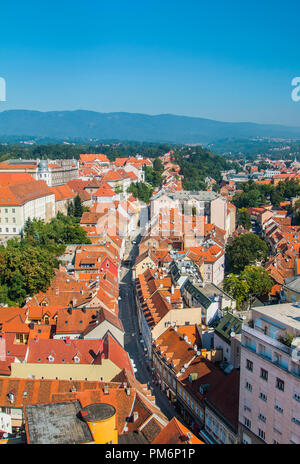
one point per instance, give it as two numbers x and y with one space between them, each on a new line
105 390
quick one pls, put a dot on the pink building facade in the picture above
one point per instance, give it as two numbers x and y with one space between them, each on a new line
269 405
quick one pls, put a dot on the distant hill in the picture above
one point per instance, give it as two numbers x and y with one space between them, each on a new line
130 126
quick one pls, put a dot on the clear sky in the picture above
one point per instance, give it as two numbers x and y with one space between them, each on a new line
225 60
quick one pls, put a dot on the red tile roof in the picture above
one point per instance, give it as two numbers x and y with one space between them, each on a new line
93 157
9 178
104 191
175 433
18 194
64 351
63 192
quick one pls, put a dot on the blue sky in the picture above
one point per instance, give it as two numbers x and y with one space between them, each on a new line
225 60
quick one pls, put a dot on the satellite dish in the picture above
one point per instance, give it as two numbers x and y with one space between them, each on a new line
232 334
244 318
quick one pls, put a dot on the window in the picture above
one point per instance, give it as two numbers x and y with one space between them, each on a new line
296 396
263 396
261 434
264 374
296 420
13 210
247 422
262 417
279 384
278 406
249 365
248 386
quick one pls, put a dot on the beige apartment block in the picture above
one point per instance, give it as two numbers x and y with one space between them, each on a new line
105 371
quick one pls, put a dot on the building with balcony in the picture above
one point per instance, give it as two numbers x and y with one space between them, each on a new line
269 409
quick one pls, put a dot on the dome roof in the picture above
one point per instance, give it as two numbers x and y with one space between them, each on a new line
43 165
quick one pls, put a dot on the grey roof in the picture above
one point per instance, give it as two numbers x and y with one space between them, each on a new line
98 411
197 294
211 290
132 438
56 423
228 324
293 283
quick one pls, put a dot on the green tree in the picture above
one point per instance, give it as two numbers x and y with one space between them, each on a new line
237 288
70 208
141 191
158 166
78 210
243 218
253 282
244 250
27 265
259 281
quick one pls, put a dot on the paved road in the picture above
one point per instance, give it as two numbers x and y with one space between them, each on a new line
133 346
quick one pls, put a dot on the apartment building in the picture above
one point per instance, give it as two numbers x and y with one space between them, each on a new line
205 203
269 410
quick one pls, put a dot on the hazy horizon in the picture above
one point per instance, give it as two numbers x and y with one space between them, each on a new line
227 61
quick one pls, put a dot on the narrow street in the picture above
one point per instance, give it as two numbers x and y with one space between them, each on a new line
133 345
